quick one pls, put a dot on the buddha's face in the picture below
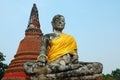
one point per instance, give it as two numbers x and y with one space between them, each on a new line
58 23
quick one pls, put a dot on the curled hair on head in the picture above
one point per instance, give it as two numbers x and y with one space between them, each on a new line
56 17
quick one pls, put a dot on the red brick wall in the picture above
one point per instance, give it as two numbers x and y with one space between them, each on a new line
28 50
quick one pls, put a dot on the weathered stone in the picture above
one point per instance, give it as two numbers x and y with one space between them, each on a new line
86 71
58 58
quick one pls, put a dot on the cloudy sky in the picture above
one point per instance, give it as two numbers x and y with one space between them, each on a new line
95 24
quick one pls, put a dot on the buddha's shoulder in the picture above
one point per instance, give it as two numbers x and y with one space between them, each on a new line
68 35
49 35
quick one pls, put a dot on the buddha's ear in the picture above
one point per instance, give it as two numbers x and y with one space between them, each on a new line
53 25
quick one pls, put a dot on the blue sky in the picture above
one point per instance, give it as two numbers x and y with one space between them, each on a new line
95 24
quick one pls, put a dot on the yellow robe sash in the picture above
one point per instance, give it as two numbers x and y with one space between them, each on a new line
60 46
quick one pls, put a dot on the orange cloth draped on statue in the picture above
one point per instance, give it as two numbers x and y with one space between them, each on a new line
60 46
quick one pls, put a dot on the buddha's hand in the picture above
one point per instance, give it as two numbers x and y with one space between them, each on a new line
75 59
42 60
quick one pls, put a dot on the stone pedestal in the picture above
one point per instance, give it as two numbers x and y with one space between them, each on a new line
90 77
85 71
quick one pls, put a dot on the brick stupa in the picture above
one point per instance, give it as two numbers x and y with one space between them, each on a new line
28 49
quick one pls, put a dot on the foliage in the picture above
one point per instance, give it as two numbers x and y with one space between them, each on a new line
3 66
108 77
115 75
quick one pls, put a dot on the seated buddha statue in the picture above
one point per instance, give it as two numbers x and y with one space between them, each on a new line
58 56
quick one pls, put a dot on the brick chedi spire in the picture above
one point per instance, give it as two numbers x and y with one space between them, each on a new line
33 24
28 49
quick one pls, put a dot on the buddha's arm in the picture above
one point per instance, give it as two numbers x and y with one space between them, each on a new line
44 45
42 58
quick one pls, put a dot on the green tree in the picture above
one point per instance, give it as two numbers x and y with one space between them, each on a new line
3 66
108 77
104 77
116 74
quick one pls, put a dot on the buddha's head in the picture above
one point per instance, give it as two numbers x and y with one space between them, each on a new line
58 22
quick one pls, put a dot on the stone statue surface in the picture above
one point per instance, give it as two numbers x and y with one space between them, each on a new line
58 58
